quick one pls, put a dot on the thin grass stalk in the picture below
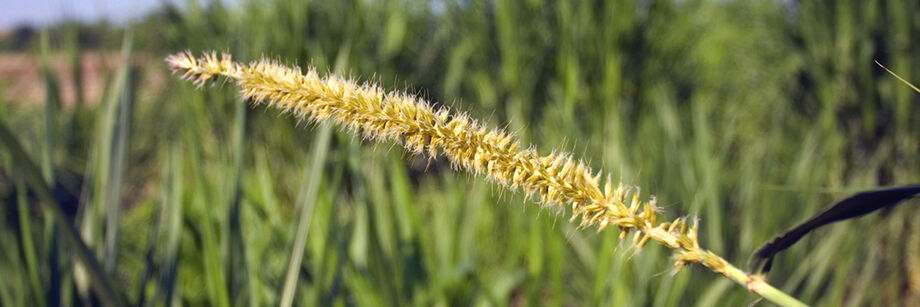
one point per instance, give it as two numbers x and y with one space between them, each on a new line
311 183
28 247
911 85
556 179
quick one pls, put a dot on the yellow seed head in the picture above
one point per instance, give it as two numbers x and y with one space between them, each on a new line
556 179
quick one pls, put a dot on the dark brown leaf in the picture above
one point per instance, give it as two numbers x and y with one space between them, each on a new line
854 206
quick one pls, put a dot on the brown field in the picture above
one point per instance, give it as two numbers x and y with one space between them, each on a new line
21 79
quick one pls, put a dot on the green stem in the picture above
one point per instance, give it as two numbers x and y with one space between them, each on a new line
308 201
758 285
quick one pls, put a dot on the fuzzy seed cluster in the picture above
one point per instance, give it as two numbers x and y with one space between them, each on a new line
556 179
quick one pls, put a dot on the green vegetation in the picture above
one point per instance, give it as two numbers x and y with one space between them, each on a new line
752 115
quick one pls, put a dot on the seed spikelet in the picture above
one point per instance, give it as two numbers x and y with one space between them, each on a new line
556 179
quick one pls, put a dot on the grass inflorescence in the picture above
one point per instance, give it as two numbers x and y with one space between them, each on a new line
556 179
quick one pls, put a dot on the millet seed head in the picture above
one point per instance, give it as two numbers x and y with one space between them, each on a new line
555 179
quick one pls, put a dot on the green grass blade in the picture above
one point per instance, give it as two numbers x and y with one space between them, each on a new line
172 220
101 198
911 85
52 104
120 132
149 261
30 173
310 187
714 292
236 258
10 292
28 247
76 63
211 260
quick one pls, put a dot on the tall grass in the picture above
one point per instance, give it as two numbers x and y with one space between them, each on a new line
750 115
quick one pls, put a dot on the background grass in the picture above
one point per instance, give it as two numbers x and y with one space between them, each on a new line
752 115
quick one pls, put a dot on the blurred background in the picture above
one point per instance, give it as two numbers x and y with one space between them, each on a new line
751 115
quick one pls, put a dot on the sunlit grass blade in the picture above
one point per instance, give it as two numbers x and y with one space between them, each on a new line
117 144
914 87
307 200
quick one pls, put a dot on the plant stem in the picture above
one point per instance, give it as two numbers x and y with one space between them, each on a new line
757 284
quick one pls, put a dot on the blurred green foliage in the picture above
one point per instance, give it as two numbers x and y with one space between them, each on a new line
752 115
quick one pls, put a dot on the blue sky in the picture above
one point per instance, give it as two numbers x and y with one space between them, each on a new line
42 12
